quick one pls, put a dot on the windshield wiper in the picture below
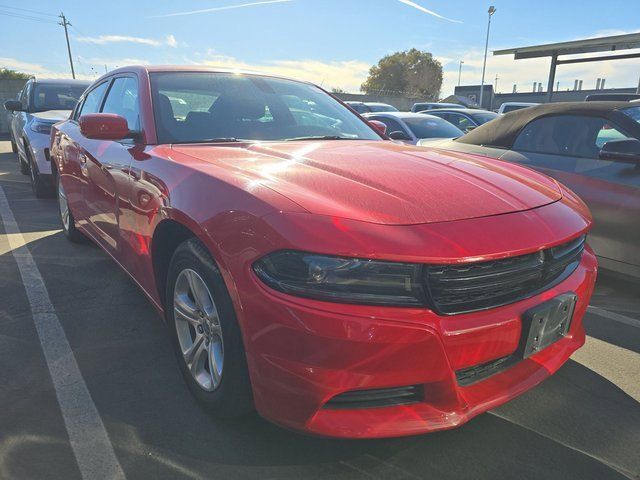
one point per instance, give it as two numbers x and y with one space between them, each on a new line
321 137
214 140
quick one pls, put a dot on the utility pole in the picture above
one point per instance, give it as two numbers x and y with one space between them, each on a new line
460 71
64 22
491 11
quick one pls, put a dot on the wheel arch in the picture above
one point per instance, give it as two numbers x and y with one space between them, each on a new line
167 236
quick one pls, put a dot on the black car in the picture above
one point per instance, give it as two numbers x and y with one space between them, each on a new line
593 148
466 119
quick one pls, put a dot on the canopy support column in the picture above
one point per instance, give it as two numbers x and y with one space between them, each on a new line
552 76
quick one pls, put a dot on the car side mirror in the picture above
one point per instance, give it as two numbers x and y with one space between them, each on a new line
13 105
398 135
378 126
622 150
104 126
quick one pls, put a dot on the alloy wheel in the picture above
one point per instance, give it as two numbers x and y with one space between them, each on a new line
198 329
64 206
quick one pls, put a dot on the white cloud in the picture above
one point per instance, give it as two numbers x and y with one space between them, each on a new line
40 70
25 67
169 41
427 11
347 74
219 9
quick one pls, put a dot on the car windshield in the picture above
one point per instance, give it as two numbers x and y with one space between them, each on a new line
194 107
433 127
482 118
55 96
633 113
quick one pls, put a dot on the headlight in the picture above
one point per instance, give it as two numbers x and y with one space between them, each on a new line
41 127
340 279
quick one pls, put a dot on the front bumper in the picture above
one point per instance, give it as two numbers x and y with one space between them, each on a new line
39 150
310 351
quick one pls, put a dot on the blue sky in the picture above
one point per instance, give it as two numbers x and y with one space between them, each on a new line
326 41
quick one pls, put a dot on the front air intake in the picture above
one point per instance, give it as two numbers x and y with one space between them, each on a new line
379 397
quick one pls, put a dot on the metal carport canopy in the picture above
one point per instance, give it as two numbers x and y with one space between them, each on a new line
589 45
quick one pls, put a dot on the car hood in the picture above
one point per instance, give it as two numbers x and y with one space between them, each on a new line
383 182
52 115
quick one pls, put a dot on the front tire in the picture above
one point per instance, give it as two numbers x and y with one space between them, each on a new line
24 166
66 217
41 188
205 332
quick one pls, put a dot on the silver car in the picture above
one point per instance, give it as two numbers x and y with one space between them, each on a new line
40 104
410 127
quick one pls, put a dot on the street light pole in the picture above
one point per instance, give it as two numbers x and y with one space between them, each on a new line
492 10
460 71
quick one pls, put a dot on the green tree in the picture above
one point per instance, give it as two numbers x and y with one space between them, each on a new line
412 72
12 74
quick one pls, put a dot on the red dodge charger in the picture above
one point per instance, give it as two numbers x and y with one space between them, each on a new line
338 282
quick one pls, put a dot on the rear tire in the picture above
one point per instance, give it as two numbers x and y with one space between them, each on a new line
66 217
210 322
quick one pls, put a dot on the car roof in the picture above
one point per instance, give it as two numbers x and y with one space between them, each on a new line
520 103
400 115
503 130
469 111
140 69
378 103
61 81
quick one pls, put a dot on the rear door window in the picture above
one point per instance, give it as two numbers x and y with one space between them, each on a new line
567 135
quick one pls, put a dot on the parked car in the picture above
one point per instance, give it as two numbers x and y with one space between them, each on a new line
423 106
410 127
591 147
40 104
367 107
466 119
507 107
341 283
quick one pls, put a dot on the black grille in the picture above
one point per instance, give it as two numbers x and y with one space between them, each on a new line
478 286
380 397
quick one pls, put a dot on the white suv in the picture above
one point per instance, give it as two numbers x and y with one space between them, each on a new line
41 103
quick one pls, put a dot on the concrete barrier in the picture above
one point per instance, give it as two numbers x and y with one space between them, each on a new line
9 89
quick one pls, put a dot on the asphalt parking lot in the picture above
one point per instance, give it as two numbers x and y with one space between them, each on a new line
582 423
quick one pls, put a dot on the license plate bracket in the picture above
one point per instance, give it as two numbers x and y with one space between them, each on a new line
546 323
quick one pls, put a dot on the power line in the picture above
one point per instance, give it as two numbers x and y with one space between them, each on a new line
26 17
27 10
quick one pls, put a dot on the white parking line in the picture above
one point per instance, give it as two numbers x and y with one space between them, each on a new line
87 434
614 316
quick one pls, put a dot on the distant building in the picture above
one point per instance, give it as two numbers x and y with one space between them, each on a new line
492 101
472 94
